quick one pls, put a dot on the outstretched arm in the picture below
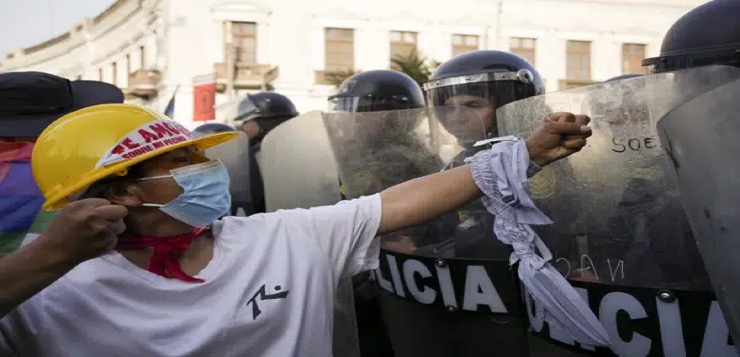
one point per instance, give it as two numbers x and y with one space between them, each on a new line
419 200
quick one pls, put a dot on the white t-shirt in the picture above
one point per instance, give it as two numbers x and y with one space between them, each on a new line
269 292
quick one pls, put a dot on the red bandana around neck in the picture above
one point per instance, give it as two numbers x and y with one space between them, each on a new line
164 261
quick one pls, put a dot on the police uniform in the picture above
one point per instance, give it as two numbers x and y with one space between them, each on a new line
391 155
463 241
268 109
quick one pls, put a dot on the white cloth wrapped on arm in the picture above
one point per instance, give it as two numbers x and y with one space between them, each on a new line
501 174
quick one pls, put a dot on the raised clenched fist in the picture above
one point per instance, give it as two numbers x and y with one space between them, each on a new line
558 136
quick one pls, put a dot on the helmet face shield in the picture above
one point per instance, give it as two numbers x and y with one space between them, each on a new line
247 109
258 105
238 109
368 103
343 104
483 93
376 91
728 55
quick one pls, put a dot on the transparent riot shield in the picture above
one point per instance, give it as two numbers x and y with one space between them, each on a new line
701 139
236 156
298 171
297 165
620 235
446 288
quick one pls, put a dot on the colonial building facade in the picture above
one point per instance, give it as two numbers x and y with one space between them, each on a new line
154 49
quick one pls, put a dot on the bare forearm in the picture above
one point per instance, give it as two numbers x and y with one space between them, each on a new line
419 200
27 271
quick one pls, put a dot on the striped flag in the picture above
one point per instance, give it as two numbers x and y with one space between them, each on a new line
20 199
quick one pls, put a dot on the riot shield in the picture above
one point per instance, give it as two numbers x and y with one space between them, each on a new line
446 288
620 235
297 165
700 137
298 171
236 156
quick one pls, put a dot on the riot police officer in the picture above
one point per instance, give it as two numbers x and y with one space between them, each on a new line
261 112
256 115
700 47
481 81
629 212
379 91
391 158
462 95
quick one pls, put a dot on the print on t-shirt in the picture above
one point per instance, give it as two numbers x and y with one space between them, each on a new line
263 296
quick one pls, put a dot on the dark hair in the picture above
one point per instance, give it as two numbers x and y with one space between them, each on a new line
100 189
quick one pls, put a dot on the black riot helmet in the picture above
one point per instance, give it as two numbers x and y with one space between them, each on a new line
624 76
265 109
377 90
501 77
706 35
265 105
211 128
482 81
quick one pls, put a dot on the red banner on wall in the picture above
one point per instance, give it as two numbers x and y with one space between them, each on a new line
204 98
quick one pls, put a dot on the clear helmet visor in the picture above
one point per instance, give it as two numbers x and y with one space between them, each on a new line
482 93
368 103
481 98
679 60
237 109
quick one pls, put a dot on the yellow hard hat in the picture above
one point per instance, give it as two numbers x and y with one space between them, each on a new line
90 144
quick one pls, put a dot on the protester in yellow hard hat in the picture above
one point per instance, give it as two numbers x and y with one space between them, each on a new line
179 281
29 102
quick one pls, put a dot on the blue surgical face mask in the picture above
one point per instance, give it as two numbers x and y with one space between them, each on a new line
205 197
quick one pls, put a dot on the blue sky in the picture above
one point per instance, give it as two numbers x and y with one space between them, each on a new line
27 22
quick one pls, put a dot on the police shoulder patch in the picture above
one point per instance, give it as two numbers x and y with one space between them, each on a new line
361 182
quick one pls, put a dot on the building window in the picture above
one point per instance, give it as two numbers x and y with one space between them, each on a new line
142 57
100 74
523 47
339 53
632 56
464 44
244 42
403 44
578 60
114 70
128 65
